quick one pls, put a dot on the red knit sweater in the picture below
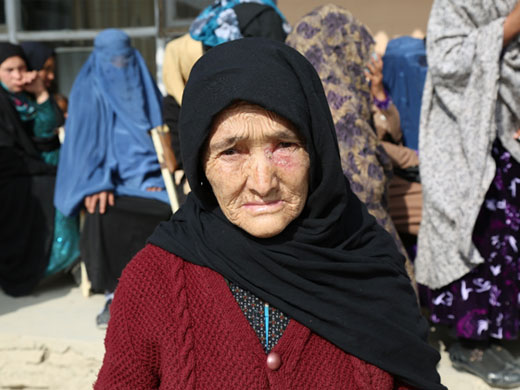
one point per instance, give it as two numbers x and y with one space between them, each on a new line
175 325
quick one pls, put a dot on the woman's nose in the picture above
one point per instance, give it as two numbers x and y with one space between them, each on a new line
262 176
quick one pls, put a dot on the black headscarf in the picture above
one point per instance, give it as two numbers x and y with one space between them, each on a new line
259 20
36 53
8 49
333 269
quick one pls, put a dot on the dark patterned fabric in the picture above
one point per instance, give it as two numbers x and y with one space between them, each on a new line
253 309
485 302
339 47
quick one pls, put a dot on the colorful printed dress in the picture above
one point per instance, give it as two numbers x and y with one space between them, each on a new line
486 302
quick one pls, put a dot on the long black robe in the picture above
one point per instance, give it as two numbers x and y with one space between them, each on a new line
26 204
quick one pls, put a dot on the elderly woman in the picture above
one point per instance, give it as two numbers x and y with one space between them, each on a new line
272 274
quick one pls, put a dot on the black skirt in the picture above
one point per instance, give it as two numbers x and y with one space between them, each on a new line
109 241
26 231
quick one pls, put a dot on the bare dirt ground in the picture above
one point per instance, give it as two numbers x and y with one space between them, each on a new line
49 340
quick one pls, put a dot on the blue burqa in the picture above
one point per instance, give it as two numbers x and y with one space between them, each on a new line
404 74
114 102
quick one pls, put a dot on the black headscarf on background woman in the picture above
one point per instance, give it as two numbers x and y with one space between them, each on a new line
36 54
333 269
8 49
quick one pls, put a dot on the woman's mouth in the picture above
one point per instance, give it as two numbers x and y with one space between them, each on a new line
260 207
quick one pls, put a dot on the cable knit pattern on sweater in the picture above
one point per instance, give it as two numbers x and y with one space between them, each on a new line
175 325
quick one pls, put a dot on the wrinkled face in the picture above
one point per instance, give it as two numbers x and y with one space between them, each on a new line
12 71
258 168
47 72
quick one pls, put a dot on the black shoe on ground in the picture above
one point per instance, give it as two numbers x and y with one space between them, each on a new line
504 354
487 363
103 317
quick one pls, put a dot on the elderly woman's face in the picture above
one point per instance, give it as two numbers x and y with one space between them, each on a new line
258 169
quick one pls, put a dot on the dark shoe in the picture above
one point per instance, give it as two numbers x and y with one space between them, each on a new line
487 364
504 354
103 317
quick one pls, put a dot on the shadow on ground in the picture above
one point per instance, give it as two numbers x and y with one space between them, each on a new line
51 288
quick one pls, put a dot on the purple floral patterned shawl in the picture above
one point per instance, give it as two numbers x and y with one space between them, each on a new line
339 46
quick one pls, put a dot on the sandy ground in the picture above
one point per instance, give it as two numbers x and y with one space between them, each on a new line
49 341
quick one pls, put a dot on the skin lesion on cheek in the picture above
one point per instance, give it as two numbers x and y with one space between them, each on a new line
291 159
283 160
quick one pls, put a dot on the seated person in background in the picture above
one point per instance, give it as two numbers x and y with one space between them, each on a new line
339 46
272 274
42 60
404 191
220 22
108 164
180 55
39 240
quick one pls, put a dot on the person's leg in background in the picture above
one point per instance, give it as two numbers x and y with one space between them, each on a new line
110 240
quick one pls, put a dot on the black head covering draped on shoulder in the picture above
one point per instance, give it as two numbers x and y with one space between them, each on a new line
333 269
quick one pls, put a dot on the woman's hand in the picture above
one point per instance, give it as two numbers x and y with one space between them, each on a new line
102 197
34 84
512 24
374 74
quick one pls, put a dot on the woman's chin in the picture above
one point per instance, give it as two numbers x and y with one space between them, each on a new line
16 88
264 226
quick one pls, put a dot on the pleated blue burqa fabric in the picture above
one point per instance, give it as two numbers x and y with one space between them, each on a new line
114 102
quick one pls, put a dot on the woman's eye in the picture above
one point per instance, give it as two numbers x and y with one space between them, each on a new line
284 145
229 152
